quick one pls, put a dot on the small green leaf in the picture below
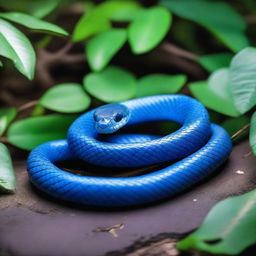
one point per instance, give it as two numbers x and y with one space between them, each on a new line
66 98
6 116
216 93
31 132
253 133
91 23
33 23
113 84
16 47
228 229
7 175
232 125
149 29
38 110
243 79
38 8
214 62
102 47
159 84
218 17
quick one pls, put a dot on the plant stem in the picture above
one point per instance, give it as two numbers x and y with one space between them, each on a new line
28 105
3 140
174 49
240 131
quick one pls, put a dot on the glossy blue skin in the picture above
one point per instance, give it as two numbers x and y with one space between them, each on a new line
110 118
199 146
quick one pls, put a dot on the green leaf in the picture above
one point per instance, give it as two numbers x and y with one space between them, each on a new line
7 175
33 23
243 79
232 125
38 110
228 229
216 93
38 8
119 10
31 132
149 29
113 84
16 47
102 47
253 133
91 23
218 17
213 62
159 84
66 98
6 116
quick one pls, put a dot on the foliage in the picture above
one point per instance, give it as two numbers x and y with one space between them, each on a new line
33 131
7 176
228 229
128 49
216 93
100 49
16 46
253 133
154 84
66 98
105 85
243 79
218 17
148 29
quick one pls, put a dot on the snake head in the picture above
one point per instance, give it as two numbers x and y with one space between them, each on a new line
110 118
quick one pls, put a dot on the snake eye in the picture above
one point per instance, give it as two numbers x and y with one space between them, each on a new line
118 117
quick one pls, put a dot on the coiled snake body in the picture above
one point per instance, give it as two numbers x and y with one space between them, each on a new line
197 148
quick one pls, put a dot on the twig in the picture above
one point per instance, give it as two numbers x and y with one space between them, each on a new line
175 50
3 140
47 60
250 19
28 105
247 154
240 131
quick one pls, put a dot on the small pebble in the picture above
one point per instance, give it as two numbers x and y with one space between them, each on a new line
239 172
194 200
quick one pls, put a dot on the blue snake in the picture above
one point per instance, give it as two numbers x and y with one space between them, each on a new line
195 151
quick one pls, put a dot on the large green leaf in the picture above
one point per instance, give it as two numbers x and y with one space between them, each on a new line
66 98
148 29
91 23
102 47
213 62
228 229
243 79
6 116
16 47
216 93
253 133
219 17
112 84
38 8
29 133
97 19
159 84
7 176
33 23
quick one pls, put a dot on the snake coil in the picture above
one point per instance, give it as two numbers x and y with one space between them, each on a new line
197 148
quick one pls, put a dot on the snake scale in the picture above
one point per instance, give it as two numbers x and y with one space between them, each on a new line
196 149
